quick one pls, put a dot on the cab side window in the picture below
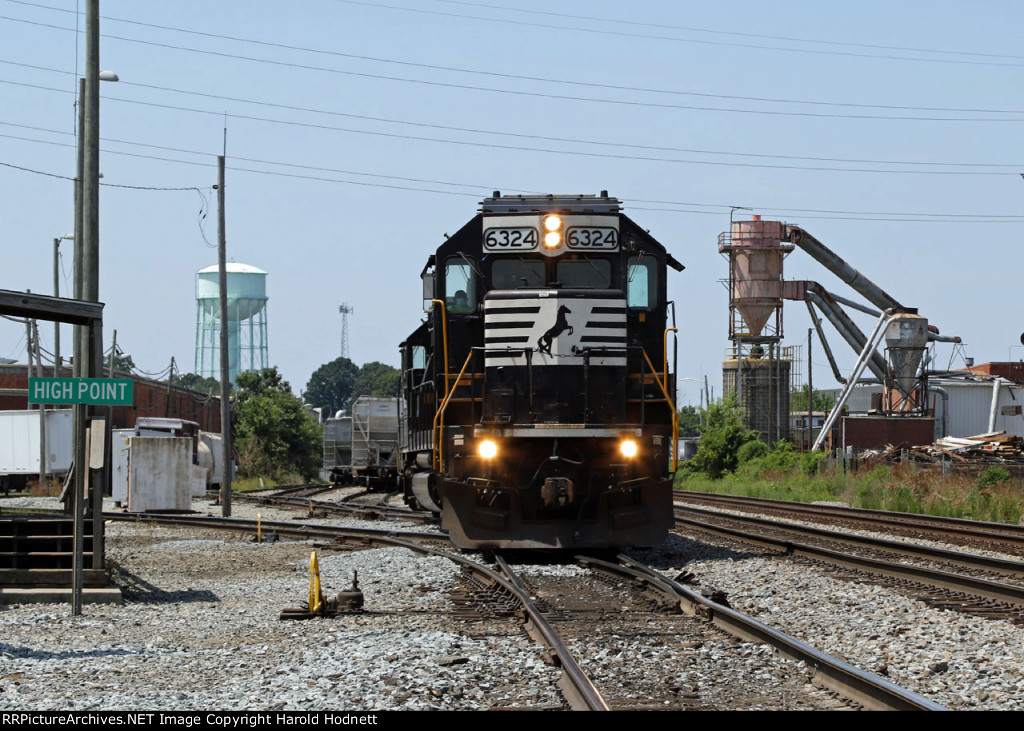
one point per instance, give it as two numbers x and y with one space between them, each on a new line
642 282
459 286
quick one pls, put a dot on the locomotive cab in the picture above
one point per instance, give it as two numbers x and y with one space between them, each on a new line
538 389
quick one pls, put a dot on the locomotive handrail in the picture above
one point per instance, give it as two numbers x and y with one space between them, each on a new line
671 405
444 337
675 414
439 416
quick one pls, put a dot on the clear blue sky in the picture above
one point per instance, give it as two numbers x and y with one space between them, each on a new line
359 133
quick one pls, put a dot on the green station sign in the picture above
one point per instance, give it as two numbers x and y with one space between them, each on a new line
91 391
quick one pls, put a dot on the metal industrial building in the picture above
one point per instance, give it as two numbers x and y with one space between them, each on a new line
965 403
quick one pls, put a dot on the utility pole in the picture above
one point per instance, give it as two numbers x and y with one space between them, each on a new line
113 356
810 391
78 336
225 375
56 323
91 172
32 347
88 359
43 472
170 380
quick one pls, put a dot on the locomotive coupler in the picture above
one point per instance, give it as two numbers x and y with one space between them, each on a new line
557 492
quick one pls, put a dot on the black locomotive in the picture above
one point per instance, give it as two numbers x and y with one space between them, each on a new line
539 408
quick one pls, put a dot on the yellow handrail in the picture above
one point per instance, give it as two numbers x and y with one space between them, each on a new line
675 414
438 442
444 337
671 405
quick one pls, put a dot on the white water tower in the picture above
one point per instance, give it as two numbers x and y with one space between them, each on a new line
246 320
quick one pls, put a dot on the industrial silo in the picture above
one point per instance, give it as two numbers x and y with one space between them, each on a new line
755 370
762 386
246 320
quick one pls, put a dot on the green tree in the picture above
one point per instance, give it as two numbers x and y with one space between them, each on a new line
274 435
721 438
798 400
376 379
689 421
202 384
330 386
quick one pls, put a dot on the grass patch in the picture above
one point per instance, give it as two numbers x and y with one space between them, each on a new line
902 488
250 484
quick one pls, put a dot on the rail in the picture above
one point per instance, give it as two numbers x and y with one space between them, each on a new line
577 686
937 579
859 685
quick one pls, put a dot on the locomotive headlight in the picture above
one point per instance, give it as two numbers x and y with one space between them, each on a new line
628 448
487 449
553 226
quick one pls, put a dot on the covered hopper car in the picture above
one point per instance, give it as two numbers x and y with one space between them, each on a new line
363 448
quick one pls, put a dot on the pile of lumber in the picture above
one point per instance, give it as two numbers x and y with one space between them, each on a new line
994 447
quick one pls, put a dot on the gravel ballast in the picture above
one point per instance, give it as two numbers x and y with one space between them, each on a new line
200 630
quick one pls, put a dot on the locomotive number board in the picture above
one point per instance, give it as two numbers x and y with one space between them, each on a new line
577 232
520 238
591 238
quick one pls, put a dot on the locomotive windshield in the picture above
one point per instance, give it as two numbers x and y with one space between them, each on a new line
583 273
588 273
518 272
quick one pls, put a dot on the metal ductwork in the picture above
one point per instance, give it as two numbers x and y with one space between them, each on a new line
835 264
846 327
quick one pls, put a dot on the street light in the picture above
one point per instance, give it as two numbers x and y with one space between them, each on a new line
695 380
56 293
86 236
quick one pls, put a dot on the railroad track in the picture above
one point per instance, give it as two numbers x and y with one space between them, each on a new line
1002 537
505 593
969 583
305 498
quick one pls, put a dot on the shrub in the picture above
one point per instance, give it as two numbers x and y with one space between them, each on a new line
810 462
751 450
992 475
721 437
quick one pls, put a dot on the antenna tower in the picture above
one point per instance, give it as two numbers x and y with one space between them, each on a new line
345 311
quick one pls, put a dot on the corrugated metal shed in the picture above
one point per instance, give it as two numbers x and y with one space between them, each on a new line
970 404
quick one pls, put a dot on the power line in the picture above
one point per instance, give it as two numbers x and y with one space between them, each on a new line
535 94
515 135
614 21
515 148
65 177
691 29
721 208
520 77
784 49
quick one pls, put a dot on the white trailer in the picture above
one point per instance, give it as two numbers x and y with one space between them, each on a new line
19 445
